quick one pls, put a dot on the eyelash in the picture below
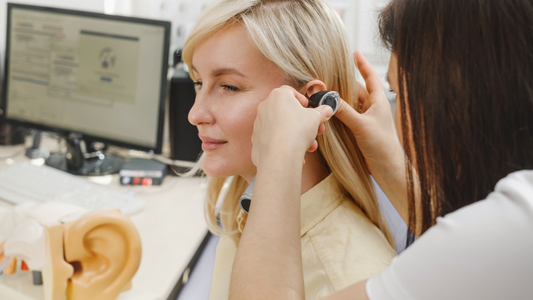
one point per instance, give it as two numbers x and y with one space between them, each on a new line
230 88
392 91
197 85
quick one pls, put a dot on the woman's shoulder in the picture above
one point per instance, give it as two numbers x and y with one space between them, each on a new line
510 203
349 223
349 246
503 221
517 186
328 211
483 250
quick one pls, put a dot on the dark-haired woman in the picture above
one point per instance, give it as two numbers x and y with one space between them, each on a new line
462 177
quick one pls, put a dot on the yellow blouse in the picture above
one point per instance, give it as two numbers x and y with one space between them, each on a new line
340 246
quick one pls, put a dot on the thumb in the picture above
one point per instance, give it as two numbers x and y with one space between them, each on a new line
325 113
348 115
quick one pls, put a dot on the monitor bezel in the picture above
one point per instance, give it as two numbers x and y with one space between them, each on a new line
164 71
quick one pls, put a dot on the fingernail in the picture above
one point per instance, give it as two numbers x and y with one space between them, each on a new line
327 111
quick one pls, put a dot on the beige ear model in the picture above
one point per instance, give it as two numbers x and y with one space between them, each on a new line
56 271
105 250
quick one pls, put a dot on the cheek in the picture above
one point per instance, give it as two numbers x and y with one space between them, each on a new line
236 125
238 122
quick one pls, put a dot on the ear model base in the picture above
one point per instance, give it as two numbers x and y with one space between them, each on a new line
105 250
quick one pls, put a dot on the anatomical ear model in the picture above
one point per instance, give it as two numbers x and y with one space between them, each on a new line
93 257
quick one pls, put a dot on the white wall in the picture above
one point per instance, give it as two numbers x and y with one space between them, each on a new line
182 14
360 20
359 17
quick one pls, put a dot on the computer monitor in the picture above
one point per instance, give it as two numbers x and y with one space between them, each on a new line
88 76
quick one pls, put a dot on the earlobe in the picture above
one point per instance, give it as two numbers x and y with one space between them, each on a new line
312 87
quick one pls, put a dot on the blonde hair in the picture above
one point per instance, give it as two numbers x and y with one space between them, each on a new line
307 40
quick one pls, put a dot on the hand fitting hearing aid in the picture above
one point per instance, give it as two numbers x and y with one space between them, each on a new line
330 98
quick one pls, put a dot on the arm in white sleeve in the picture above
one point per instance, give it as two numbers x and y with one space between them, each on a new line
482 251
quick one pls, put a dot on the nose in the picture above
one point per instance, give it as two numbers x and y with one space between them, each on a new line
200 113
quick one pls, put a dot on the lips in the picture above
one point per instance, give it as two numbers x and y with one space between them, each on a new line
210 144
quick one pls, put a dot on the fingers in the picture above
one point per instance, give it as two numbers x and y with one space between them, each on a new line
362 93
325 113
347 115
321 129
313 147
363 99
371 77
301 98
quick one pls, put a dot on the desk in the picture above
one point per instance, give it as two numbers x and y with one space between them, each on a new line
171 227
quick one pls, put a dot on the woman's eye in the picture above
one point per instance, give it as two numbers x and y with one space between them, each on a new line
197 86
229 88
391 90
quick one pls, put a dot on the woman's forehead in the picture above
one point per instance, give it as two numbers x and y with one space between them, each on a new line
231 52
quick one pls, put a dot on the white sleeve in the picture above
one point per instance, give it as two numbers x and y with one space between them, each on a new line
482 251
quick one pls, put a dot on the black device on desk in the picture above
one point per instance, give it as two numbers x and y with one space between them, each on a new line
185 144
90 77
140 171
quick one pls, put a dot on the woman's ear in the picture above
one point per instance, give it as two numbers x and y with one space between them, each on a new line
312 87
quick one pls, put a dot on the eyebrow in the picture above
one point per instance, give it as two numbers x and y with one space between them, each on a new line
223 71
226 71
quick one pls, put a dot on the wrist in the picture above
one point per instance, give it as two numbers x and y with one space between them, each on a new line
390 158
281 158
281 152
390 174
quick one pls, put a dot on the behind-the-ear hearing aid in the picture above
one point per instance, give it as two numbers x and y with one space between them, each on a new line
330 98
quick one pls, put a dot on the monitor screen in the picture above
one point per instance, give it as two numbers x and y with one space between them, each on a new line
100 75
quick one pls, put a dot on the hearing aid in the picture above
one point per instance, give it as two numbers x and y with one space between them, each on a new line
246 198
330 98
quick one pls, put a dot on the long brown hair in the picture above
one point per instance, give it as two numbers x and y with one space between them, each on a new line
465 71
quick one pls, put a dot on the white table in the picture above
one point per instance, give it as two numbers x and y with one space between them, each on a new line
171 227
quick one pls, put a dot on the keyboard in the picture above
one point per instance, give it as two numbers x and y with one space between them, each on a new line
26 182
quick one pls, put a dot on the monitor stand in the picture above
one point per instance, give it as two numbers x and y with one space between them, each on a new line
35 151
78 161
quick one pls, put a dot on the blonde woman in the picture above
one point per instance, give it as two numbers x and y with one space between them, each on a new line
238 52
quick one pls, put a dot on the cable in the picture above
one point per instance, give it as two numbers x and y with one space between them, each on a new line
194 166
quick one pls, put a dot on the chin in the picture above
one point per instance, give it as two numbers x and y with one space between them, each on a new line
214 174
215 168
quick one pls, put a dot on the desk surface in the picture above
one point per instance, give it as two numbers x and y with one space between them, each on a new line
171 227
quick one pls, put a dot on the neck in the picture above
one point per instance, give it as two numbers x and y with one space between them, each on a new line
313 172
